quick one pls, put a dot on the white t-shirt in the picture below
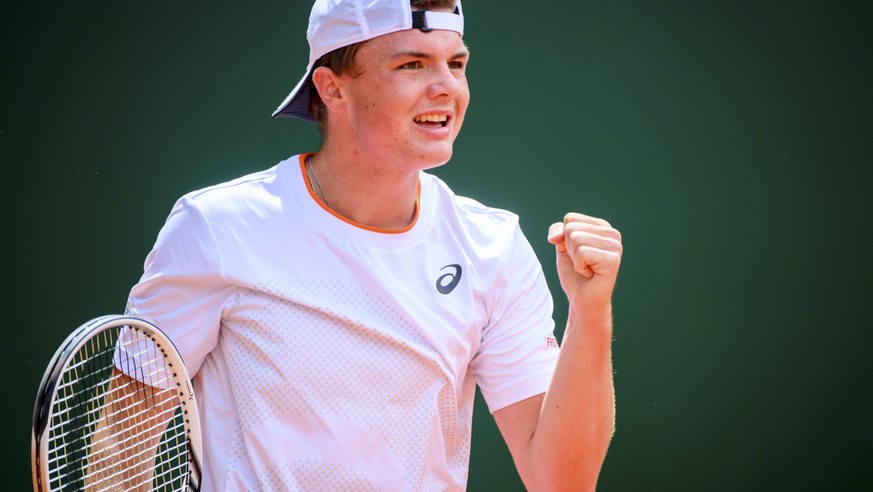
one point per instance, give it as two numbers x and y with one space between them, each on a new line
331 356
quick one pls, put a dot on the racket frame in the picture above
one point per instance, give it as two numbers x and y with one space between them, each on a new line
46 394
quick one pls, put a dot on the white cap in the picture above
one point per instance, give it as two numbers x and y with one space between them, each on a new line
337 23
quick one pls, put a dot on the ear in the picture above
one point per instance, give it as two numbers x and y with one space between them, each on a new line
327 84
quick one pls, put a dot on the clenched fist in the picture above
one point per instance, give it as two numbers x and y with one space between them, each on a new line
588 256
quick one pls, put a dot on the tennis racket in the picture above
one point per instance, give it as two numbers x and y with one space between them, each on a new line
116 411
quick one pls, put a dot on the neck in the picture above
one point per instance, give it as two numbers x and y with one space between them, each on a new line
370 192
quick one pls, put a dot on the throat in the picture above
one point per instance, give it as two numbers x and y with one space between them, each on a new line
374 205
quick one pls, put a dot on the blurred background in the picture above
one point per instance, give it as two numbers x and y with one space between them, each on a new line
728 141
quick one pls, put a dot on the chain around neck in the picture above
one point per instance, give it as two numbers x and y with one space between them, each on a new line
313 178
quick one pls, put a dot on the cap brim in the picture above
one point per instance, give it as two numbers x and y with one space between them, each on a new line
296 105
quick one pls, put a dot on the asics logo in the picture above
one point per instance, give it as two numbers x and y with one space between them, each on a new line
447 282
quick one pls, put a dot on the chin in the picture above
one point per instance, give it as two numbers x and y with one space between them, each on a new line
435 159
434 165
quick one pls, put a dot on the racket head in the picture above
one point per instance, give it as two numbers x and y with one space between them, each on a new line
70 400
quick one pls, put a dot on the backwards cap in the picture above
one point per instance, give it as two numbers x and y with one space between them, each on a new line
334 24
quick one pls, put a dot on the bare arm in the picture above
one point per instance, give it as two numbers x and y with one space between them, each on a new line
128 432
559 440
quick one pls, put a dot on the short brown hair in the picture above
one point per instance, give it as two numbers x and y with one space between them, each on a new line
342 60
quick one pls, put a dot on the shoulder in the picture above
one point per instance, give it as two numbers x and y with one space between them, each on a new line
256 195
250 189
480 222
226 208
492 237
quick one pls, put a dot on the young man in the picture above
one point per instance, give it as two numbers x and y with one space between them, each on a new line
337 310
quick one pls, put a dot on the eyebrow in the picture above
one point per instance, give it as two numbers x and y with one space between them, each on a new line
419 54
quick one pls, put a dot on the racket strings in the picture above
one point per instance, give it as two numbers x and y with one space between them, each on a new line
68 423
111 440
94 428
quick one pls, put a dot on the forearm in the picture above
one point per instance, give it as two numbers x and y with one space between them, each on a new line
577 418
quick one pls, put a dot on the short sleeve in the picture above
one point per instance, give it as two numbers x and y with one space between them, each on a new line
183 289
518 352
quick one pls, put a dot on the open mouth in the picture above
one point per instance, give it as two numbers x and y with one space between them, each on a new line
432 119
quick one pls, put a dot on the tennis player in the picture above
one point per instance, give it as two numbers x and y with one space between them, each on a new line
338 309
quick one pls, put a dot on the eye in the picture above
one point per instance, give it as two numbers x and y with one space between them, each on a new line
411 65
457 65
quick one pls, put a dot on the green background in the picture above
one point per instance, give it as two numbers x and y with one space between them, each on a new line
727 140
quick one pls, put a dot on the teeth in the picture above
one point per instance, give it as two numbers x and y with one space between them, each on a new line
432 118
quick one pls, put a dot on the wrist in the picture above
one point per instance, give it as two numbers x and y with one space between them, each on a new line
591 312
591 320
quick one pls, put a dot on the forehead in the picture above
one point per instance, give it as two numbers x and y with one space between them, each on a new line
436 43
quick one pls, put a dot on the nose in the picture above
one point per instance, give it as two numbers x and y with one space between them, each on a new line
446 83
